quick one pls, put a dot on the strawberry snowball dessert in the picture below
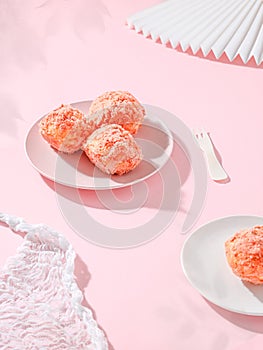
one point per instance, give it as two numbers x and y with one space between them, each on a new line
244 253
65 128
113 150
117 107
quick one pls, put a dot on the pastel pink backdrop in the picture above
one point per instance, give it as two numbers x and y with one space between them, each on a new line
65 51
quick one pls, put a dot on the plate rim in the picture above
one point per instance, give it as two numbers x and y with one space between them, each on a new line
222 306
92 188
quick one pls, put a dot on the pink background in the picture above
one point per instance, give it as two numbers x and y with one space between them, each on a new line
61 51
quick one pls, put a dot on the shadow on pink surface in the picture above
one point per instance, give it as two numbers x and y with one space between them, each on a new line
248 322
122 231
10 115
83 277
21 43
81 15
90 198
26 26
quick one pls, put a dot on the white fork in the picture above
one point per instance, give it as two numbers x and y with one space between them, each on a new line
215 169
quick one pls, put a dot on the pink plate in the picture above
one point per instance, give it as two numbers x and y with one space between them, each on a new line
75 170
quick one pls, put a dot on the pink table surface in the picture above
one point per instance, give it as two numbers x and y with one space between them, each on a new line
54 52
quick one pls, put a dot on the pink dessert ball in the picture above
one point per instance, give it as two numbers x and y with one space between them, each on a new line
117 107
244 253
113 150
65 128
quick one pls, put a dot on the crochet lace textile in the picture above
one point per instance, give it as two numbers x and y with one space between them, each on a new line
40 302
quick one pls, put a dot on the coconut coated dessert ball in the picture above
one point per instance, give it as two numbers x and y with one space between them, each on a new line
65 128
113 149
117 107
244 253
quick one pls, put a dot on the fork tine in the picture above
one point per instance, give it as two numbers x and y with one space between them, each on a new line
204 132
195 134
198 133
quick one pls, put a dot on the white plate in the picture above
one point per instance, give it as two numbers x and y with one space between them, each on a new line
205 265
76 170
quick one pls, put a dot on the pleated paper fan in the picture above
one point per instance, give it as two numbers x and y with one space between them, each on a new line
233 27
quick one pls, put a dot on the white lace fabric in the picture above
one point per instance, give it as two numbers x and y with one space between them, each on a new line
40 302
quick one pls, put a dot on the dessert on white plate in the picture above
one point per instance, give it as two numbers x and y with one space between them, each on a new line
244 252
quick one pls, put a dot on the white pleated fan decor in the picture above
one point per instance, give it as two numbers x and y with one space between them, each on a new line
233 27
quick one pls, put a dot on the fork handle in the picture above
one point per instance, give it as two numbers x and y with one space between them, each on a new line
215 169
